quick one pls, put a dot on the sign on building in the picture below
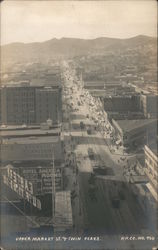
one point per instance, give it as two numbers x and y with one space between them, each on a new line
42 178
21 186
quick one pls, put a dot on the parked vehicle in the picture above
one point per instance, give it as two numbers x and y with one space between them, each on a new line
115 202
91 153
89 131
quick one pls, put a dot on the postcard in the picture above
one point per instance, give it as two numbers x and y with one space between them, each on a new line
78 125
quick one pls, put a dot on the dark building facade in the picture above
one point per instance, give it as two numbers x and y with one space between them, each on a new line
122 103
133 133
30 105
47 105
18 105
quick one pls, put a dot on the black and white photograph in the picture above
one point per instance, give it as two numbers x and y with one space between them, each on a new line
78 125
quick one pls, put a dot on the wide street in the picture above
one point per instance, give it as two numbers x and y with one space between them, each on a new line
102 199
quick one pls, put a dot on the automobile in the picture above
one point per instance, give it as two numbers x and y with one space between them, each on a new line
89 131
123 158
24 126
3 126
116 202
90 153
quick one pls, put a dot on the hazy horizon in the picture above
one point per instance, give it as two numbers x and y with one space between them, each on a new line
39 21
80 38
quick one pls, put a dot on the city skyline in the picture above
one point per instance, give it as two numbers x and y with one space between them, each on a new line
38 21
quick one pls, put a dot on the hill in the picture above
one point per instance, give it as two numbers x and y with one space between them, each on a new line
68 48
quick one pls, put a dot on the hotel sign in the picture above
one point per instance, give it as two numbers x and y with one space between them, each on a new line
21 186
42 178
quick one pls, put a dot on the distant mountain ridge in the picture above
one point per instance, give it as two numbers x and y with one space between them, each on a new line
69 47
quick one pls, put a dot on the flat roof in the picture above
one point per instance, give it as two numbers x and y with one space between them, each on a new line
27 132
63 209
31 85
97 82
17 85
127 125
85 121
11 127
111 93
100 93
47 89
31 140
139 179
23 127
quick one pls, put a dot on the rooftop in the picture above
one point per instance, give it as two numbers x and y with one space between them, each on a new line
41 86
139 179
98 93
31 140
85 121
63 209
128 125
94 83
28 132
47 89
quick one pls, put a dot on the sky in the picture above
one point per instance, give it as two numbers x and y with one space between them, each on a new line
36 20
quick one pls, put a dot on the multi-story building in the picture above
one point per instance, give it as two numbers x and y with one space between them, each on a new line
94 84
122 103
121 107
151 168
30 104
18 105
35 148
36 157
149 104
134 133
47 105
